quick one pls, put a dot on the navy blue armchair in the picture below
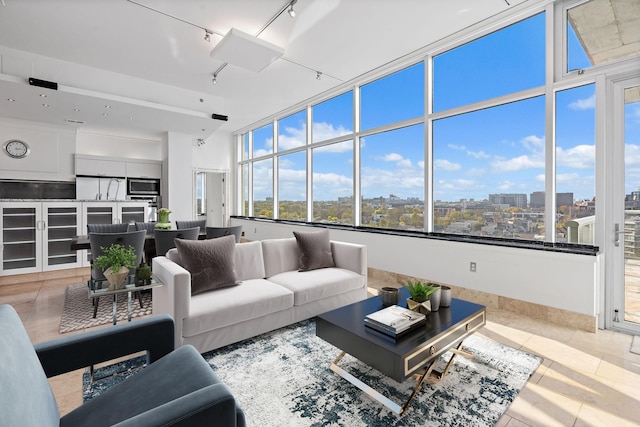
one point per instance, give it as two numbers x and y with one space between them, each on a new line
176 388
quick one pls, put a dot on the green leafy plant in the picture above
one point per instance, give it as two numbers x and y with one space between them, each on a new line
420 291
115 257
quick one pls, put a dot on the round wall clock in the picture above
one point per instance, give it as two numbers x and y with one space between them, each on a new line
16 149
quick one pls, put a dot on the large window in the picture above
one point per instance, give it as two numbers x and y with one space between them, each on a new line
392 99
393 179
483 174
292 186
263 141
477 163
263 188
575 159
292 131
333 183
333 118
507 61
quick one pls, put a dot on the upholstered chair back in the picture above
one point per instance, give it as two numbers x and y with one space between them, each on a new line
27 398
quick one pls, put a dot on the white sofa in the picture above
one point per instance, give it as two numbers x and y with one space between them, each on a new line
272 293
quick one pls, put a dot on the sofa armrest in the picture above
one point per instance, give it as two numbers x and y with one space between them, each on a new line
174 297
153 334
350 256
212 404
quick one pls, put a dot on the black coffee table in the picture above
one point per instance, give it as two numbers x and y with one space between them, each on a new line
410 356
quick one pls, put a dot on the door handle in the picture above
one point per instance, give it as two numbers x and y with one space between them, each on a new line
616 234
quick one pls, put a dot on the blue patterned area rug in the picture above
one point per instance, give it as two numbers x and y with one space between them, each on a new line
282 378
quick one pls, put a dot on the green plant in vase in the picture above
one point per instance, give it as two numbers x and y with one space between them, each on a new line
419 293
115 262
163 219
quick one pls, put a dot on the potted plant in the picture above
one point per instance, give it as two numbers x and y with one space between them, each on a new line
163 219
419 293
115 262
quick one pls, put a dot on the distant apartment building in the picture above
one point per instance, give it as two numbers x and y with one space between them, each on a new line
512 200
562 199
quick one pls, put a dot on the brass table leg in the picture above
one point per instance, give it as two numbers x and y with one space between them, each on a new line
430 375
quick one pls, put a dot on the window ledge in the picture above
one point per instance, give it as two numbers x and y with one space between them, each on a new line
491 241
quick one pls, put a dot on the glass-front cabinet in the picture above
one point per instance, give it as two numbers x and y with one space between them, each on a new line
36 236
21 237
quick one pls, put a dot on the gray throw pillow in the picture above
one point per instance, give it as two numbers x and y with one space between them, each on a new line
211 262
314 249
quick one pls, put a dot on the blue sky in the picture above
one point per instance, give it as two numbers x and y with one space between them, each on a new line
495 150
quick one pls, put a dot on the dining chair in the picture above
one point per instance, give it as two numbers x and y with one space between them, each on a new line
202 223
108 228
149 246
165 239
97 241
147 226
213 232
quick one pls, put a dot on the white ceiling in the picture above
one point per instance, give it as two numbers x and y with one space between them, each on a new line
156 71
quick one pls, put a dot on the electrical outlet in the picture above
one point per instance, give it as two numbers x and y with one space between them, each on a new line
472 266
242 234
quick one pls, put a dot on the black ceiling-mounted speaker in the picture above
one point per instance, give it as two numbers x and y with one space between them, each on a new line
219 117
43 83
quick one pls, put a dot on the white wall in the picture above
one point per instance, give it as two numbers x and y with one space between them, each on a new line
216 153
564 281
177 173
52 149
118 146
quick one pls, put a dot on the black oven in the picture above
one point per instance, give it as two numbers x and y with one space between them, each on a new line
143 187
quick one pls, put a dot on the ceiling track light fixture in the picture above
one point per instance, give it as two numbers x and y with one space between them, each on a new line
207 36
215 79
318 75
292 13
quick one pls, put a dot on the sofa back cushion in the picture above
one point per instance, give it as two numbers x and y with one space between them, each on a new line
280 255
249 261
27 399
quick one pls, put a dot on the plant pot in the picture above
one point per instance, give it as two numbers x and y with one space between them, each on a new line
413 305
116 280
143 274
434 299
389 296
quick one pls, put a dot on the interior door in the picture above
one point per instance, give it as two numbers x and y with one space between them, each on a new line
625 263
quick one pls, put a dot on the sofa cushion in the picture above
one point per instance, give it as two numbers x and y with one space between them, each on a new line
249 261
211 262
309 286
280 255
223 307
314 249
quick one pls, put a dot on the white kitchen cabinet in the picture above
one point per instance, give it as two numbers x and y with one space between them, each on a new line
100 167
36 236
144 170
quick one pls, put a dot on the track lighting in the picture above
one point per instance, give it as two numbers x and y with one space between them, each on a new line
292 13
207 35
215 79
318 75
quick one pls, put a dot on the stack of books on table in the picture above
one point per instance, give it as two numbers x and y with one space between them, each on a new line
394 320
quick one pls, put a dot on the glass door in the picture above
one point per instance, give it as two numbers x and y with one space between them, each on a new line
626 213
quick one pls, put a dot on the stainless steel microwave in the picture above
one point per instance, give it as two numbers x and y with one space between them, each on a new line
140 186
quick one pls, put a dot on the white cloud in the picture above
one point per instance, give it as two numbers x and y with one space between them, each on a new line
261 152
456 147
584 104
631 155
517 164
446 165
296 137
477 172
533 143
325 131
505 185
400 161
340 147
578 157
421 164
478 154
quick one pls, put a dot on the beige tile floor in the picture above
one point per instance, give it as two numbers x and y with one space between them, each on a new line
586 379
